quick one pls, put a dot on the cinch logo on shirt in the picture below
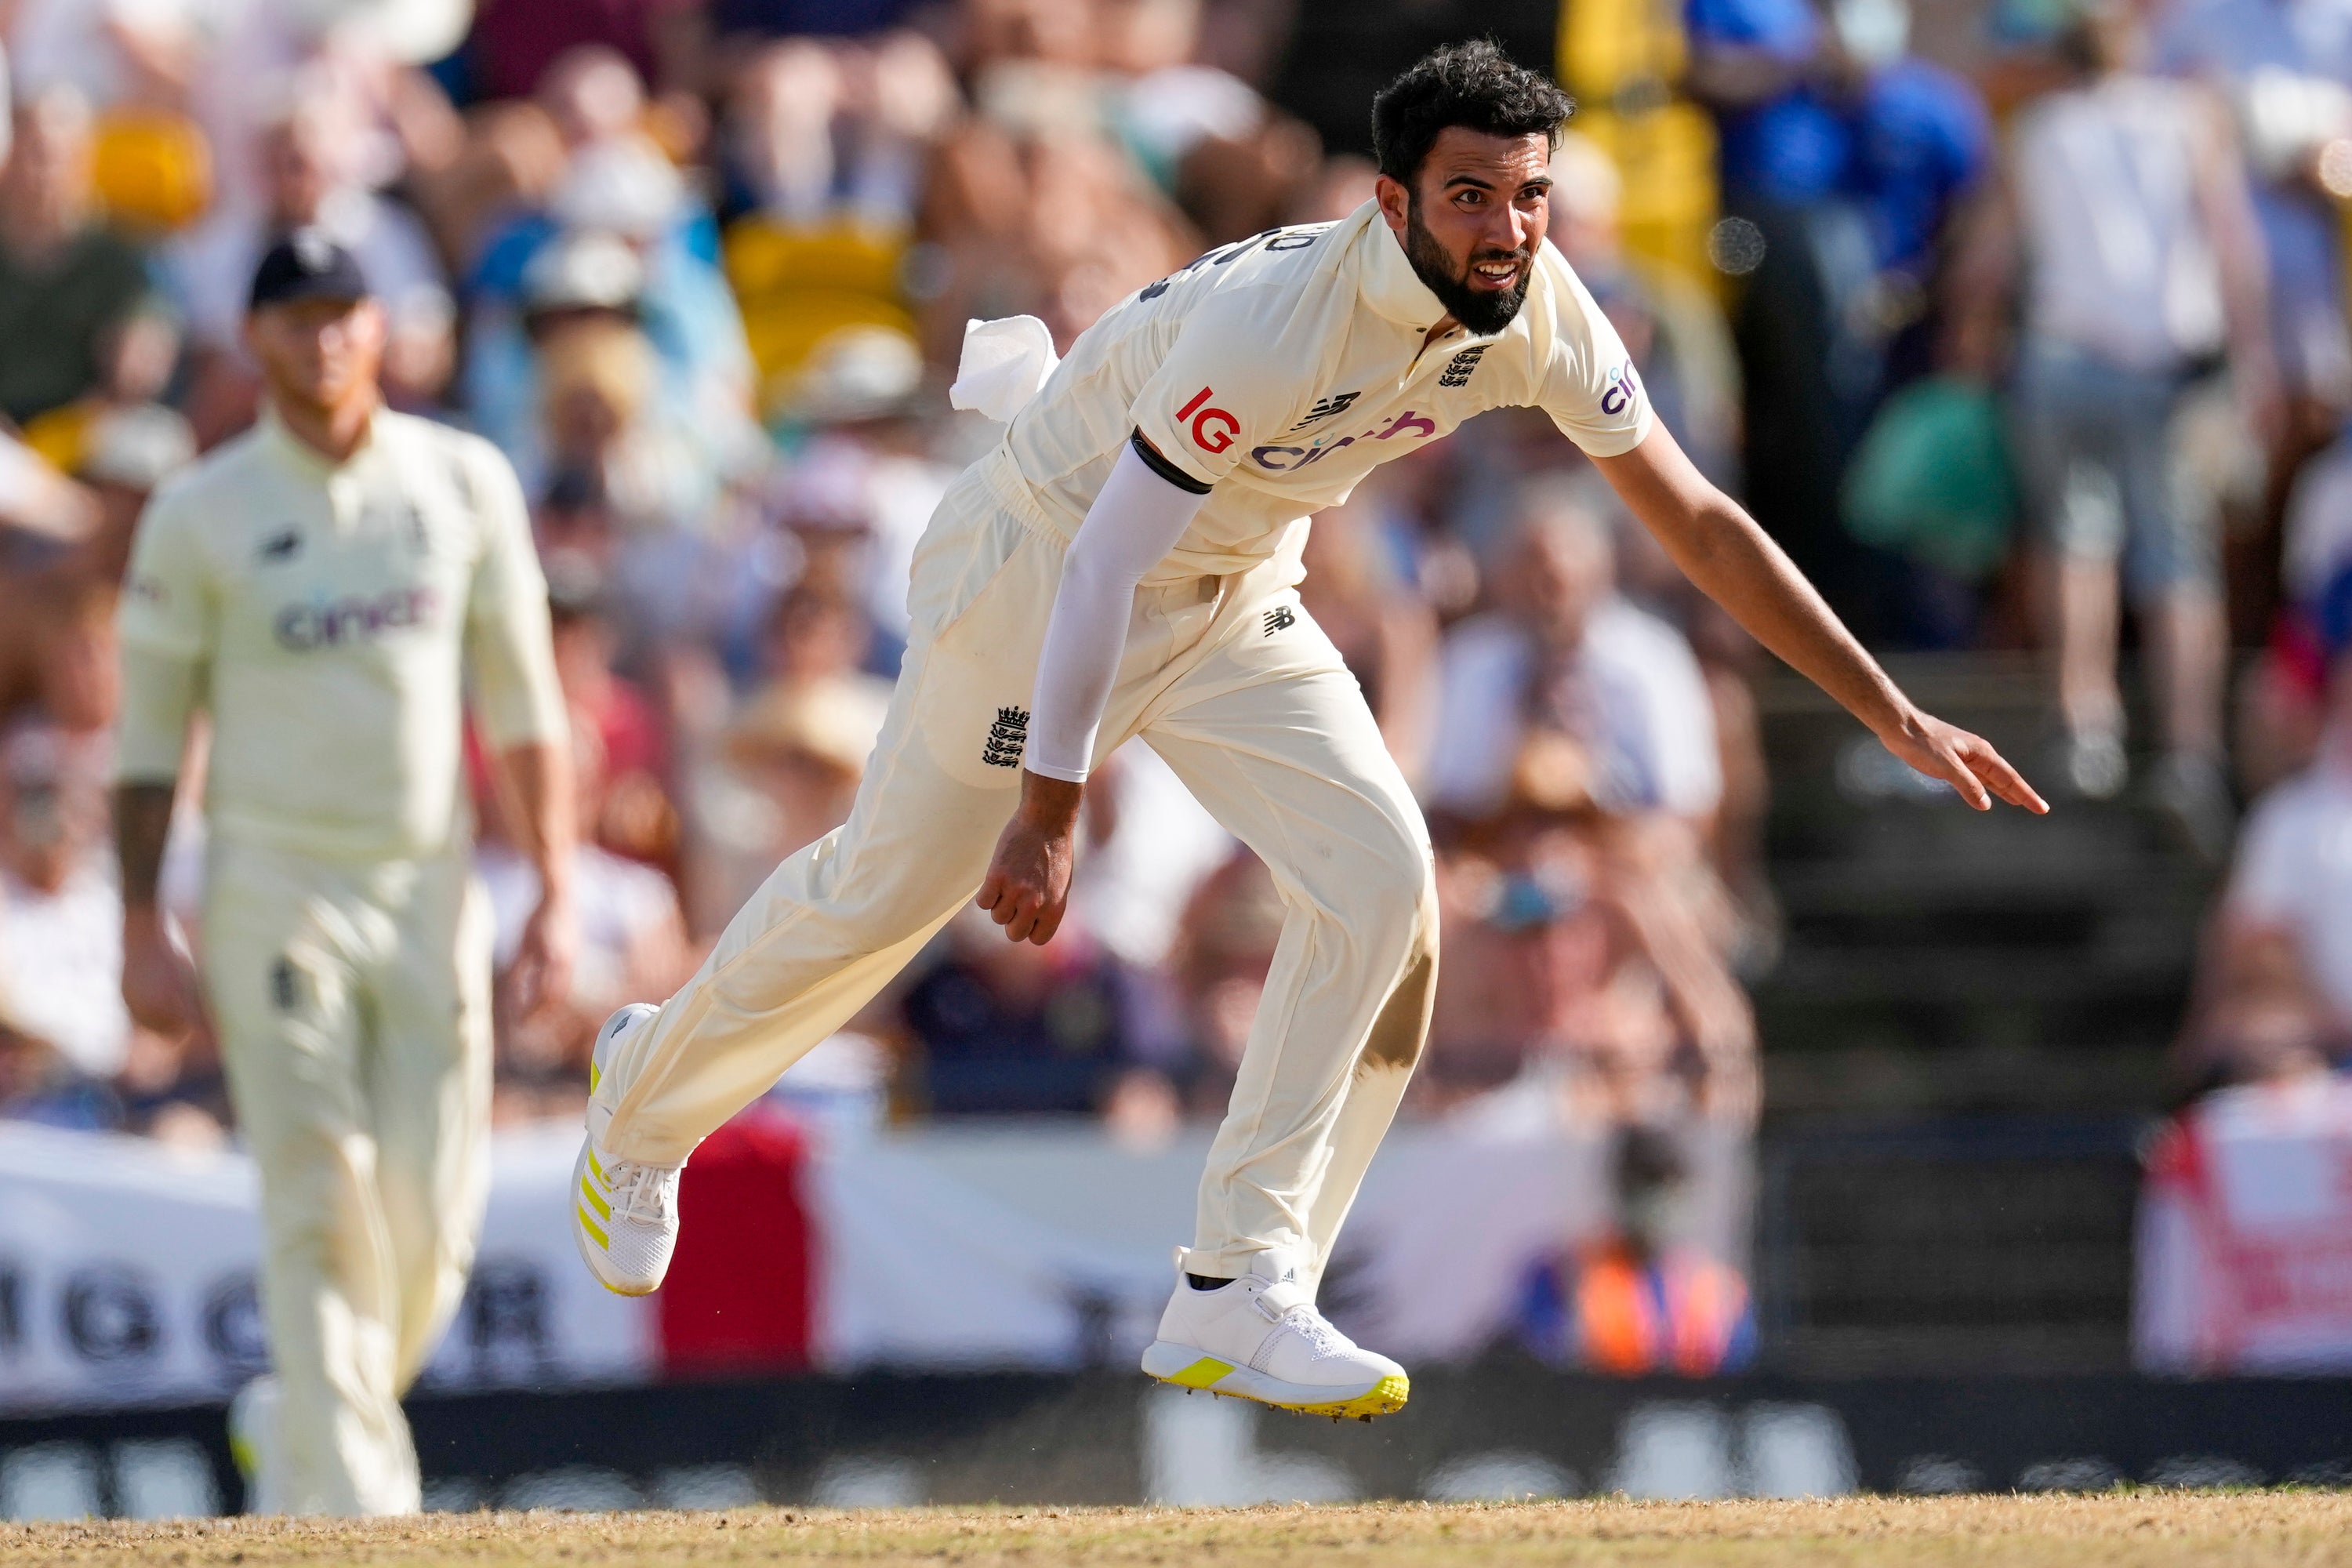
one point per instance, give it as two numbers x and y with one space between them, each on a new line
1623 388
1290 459
1213 429
301 628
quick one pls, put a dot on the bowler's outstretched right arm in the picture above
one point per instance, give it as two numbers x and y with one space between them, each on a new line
1720 548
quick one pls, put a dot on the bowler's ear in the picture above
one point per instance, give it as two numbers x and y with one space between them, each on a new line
1396 202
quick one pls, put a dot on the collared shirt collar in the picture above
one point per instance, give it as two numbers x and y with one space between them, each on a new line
1392 289
300 453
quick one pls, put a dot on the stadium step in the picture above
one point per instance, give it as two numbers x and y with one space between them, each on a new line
1922 939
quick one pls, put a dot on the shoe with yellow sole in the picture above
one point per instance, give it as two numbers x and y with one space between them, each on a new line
624 1214
1264 1338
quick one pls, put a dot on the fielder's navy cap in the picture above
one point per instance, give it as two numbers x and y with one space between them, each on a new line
306 264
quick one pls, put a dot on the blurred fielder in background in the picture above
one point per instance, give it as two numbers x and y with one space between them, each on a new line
319 589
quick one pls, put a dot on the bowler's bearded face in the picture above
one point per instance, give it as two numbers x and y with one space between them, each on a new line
1477 210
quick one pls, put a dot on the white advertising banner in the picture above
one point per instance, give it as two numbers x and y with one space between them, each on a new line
2245 1235
127 1276
127 1268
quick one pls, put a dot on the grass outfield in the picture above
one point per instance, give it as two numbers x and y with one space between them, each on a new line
2210 1529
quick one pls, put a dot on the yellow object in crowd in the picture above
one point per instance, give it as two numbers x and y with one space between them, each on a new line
1666 155
1622 59
60 437
153 168
1606 44
795 286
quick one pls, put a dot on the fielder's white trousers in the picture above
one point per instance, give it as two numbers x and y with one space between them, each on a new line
353 1006
1230 681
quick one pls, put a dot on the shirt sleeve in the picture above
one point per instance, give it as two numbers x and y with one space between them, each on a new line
1590 387
159 693
517 699
1214 398
166 624
170 605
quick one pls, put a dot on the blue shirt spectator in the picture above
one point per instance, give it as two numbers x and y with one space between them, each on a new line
1921 140
1789 147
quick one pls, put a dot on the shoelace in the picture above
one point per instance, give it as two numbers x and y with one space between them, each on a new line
1316 1328
638 1192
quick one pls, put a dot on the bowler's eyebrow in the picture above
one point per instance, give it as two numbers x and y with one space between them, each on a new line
1475 181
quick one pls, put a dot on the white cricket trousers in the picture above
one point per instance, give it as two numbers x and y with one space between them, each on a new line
353 1008
1230 681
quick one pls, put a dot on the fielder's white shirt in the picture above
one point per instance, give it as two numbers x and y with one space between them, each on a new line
1282 369
331 614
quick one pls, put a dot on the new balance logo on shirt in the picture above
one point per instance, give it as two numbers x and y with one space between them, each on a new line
1279 619
1324 407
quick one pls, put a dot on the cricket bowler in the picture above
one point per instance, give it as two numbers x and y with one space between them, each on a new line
321 589
1125 564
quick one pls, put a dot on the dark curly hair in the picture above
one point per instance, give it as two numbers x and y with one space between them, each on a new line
1472 84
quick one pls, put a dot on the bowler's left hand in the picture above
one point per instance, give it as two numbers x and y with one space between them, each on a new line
1027 890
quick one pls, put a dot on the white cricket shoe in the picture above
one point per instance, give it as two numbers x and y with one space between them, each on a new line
624 1214
1264 1340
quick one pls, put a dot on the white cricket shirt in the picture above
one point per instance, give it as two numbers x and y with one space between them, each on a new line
331 614
1282 369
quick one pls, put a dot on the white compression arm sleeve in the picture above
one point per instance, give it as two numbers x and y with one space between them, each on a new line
1137 518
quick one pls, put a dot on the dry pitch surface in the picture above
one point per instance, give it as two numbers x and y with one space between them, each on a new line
2213 1530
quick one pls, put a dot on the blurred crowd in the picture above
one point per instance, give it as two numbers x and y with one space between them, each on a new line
701 270
2044 344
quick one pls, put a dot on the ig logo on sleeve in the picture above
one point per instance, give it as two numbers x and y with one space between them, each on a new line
1213 429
